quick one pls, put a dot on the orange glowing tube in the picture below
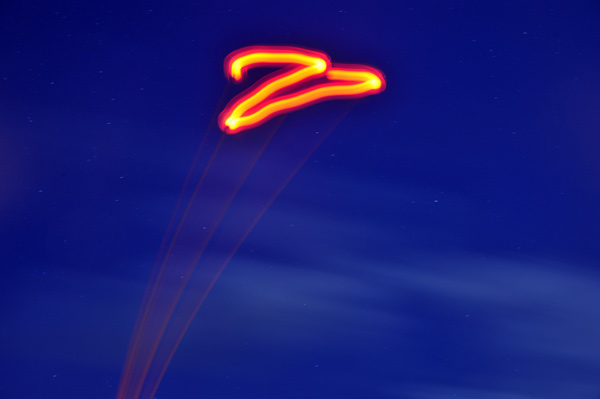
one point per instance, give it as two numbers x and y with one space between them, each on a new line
306 77
235 185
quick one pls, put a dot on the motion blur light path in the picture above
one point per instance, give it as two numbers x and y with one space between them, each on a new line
306 77
235 183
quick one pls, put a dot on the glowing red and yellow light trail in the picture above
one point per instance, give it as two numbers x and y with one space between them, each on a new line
231 184
306 77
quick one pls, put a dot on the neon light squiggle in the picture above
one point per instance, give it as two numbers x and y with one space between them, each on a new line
236 183
306 77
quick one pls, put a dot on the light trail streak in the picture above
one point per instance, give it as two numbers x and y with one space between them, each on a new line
305 77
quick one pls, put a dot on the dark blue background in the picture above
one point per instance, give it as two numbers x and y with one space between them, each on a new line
443 241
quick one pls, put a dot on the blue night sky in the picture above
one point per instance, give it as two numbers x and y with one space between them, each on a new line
442 241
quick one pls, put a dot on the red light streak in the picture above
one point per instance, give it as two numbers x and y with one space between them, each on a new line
231 184
306 77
